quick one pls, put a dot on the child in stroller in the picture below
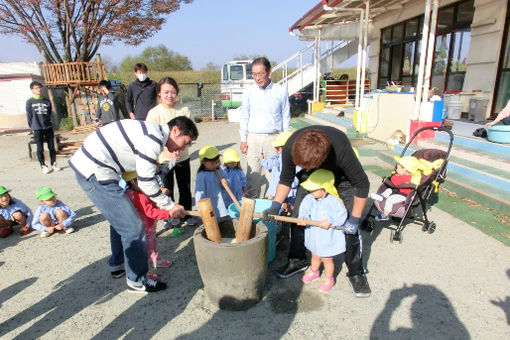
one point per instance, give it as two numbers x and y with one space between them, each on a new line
401 186
427 169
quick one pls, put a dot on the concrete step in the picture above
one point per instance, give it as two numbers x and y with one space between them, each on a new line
471 184
475 158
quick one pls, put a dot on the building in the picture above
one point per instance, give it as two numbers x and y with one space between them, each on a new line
15 79
470 51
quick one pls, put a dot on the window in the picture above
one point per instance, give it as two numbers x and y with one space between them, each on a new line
248 72
401 43
225 72
236 72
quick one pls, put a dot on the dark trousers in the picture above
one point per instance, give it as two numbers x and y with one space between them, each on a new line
506 121
352 242
41 137
182 172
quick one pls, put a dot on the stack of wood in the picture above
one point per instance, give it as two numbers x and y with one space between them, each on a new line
84 129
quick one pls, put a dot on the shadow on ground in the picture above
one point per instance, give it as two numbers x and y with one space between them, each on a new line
431 313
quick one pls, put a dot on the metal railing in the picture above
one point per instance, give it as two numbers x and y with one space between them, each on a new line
302 60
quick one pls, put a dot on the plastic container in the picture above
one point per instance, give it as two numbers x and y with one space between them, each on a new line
454 109
499 134
260 206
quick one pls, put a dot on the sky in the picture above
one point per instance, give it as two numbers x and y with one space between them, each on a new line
207 31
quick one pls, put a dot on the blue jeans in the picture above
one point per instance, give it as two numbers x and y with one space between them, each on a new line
127 232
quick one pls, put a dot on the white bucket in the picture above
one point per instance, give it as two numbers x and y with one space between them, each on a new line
454 109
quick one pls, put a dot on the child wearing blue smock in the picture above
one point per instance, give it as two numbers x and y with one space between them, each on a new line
322 204
273 163
207 183
235 176
52 215
13 212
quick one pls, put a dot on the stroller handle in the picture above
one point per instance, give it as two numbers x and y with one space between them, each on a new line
434 128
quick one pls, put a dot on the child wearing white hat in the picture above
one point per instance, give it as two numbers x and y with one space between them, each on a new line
322 204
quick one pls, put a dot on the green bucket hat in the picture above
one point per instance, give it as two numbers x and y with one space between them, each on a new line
3 190
44 194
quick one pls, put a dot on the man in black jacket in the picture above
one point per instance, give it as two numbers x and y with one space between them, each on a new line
141 94
39 120
324 147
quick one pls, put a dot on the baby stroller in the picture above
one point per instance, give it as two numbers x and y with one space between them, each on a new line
419 194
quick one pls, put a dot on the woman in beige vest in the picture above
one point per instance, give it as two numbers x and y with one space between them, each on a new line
168 90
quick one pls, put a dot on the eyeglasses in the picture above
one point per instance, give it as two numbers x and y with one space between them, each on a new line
259 75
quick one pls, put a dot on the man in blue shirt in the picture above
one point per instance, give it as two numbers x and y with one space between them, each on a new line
265 113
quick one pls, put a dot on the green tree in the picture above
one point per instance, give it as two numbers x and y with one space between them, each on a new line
158 58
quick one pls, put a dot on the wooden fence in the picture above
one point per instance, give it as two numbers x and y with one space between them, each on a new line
74 73
340 91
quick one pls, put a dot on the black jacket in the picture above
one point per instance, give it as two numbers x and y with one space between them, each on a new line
341 160
141 97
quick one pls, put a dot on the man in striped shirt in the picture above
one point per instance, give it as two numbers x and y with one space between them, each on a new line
122 146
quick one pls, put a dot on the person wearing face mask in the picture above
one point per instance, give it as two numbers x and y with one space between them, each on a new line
141 94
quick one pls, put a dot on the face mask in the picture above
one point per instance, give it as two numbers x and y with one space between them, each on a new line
141 76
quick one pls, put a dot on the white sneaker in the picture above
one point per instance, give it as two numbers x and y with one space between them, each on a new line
45 234
376 197
45 169
55 167
69 230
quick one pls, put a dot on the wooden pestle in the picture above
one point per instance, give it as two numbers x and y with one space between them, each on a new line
230 193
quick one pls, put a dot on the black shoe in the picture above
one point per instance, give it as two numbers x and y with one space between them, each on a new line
293 267
118 274
149 286
359 285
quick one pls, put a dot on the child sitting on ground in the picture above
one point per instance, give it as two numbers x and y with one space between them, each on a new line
235 176
13 212
322 204
52 215
207 182
405 166
149 213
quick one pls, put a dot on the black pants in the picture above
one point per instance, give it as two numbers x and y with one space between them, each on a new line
352 242
182 172
40 137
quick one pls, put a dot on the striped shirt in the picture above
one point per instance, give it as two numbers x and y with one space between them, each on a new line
122 146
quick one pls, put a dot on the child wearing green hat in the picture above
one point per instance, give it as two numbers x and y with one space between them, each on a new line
52 215
207 183
403 174
234 175
13 212
322 204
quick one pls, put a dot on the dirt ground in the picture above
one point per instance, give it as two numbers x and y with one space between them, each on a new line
453 284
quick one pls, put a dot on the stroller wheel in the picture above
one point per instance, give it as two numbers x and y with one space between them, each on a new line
432 227
425 227
392 235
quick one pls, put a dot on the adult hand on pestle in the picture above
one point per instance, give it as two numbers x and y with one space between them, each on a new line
177 211
274 209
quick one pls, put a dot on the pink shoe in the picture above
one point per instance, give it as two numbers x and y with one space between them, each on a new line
310 275
326 284
152 276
